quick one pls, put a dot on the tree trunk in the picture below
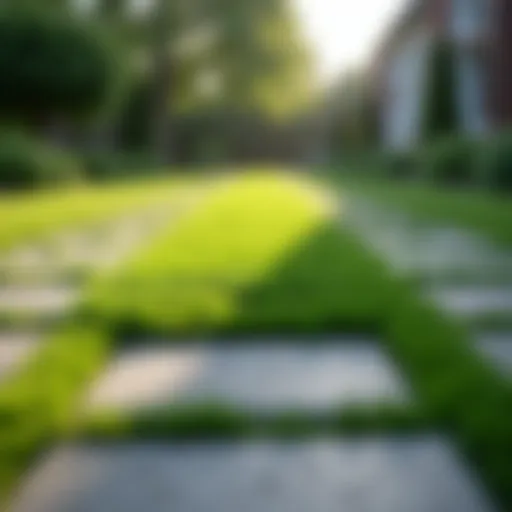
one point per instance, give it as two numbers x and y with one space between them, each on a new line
159 122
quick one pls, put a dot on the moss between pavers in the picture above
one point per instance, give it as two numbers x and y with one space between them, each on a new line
209 421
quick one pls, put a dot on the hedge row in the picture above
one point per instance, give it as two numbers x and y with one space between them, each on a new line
456 161
27 163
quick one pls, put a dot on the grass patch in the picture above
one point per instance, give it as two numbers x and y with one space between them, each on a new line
262 255
216 421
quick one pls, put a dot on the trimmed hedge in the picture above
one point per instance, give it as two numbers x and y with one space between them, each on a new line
399 164
449 161
495 163
440 110
27 164
455 160
105 166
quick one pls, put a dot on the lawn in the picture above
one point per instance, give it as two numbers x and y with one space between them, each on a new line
485 212
263 253
271 255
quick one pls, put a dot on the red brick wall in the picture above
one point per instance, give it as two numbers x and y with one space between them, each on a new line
438 14
500 63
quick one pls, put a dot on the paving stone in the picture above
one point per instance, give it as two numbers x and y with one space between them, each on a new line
26 257
467 300
51 299
497 347
15 348
91 248
439 250
371 475
268 377
420 248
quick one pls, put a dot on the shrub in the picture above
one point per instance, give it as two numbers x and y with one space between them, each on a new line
440 117
103 166
399 165
495 163
26 163
449 161
50 67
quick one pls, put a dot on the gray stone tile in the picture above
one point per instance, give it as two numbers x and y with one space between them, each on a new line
467 300
268 377
88 248
413 247
372 475
15 349
497 348
26 257
440 251
38 299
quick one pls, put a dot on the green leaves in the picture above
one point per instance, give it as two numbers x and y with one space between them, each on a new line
50 67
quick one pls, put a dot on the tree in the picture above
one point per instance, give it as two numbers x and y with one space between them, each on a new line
51 67
253 47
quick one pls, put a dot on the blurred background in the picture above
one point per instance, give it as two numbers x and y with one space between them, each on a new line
119 85
316 190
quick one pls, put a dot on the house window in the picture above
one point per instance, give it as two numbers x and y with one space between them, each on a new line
472 111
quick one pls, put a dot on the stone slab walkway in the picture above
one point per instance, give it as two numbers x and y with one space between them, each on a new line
497 348
413 247
468 300
15 347
266 377
39 281
464 274
38 299
370 475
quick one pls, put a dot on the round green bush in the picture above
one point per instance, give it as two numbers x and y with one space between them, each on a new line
450 161
50 68
495 163
399 165
26 163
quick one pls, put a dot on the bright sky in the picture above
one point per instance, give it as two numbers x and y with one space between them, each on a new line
344 32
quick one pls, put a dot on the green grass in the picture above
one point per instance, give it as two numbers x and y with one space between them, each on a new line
40 403
215 421
488 213
262 255
266 254
28 216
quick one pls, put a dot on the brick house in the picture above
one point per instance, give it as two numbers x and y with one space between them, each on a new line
480 33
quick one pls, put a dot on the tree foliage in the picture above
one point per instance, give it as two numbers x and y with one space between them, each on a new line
50 67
